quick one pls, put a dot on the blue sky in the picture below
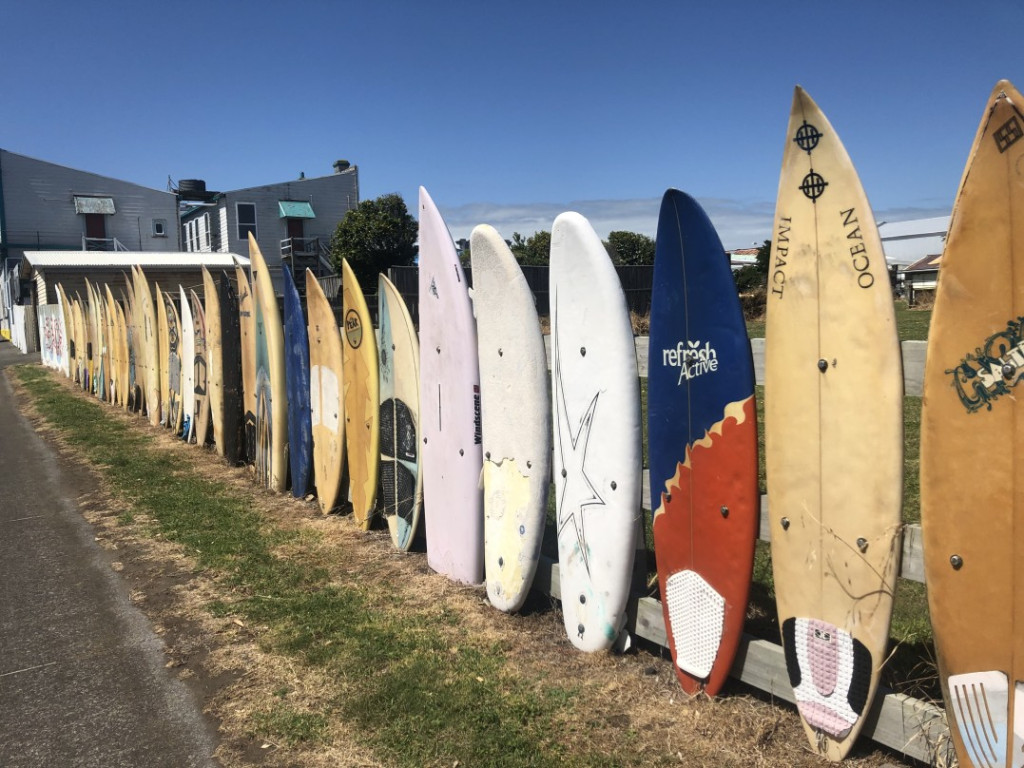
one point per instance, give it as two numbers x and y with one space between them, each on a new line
510 113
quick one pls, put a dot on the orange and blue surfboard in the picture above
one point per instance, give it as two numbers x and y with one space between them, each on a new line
702 445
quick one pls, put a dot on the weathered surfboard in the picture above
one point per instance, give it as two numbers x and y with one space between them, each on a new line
401 482
327 412
187 347
516 439
362 398
450 404
597 452
833 433
247 334
150 349
271 387
214 355
702 446
296 366
201 374
971 444
232 443
174 375
164 353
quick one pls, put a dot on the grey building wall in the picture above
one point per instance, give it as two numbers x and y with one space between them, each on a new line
331 197
38 207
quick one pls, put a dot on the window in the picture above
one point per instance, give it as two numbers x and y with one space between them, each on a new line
159 227
246 215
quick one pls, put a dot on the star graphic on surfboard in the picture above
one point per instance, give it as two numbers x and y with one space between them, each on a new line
577 490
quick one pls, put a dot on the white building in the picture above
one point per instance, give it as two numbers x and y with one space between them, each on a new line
906 242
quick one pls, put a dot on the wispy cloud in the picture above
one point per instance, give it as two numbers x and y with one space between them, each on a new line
740 223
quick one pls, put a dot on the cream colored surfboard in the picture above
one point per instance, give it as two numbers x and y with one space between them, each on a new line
163 353
271 388
516 441
326 387
215 377
972 442
188 366
401 481
151 351
121 341
246 321
362 398
833 432
201 375
80 341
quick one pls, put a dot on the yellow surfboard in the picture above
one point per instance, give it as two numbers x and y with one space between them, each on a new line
271 388
833 433
362 398
972 442
325 395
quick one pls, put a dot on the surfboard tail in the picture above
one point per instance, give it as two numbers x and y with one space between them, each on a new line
830 672
980 703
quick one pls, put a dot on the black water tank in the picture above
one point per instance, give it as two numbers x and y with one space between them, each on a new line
192 189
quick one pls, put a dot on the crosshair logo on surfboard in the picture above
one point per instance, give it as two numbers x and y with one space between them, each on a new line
353 329
807 137
813 186
691 359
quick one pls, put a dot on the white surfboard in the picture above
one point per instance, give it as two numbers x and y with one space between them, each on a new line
597 455
450 406
516 419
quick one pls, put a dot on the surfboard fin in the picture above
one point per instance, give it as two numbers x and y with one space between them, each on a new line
980 703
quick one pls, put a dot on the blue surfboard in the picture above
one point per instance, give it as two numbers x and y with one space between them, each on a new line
702 445
296 371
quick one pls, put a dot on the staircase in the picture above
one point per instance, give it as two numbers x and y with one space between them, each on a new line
302 253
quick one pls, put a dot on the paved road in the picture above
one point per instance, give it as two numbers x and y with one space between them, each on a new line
82 676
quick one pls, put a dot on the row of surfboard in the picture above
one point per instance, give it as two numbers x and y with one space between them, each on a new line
477 405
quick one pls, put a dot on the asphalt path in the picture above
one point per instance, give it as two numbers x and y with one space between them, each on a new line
82 674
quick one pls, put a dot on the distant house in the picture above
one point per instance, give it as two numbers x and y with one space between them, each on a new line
742 257
45 206
921 278
906 242
292 221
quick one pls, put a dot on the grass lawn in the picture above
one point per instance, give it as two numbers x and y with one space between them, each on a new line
911 324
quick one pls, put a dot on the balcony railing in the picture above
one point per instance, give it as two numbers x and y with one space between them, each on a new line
102 244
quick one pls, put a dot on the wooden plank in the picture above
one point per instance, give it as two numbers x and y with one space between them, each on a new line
913 727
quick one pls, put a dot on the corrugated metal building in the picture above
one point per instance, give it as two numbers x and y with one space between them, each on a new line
45 206
905 242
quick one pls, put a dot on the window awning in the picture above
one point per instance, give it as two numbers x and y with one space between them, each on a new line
292 209
103 205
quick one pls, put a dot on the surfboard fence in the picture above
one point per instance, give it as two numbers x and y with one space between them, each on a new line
636 284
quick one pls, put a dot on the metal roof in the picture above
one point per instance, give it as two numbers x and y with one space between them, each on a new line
146 259
937 225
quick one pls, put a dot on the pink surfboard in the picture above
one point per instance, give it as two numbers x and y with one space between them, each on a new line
449 406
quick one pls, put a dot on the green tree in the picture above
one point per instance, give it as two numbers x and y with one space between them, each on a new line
373 236
532 251
630 248
754 276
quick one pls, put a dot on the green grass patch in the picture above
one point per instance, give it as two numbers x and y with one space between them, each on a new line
911 323
412 696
